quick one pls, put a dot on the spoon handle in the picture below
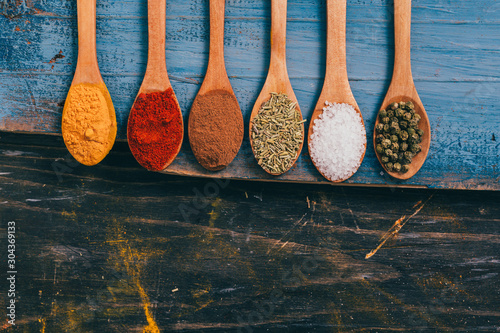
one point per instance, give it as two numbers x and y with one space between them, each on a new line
216 66
87 69
278 37
402 31
156 70
336 67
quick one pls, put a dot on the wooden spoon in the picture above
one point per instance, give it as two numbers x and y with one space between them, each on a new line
216 84
277 77
402 87
336 88
87 72
156 76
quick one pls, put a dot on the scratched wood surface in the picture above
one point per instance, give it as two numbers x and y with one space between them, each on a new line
115 248
455 50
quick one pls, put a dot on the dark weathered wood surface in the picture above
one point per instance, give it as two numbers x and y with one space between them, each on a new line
114 248
455 52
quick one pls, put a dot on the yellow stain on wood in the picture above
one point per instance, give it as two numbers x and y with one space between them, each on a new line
152 326
66 214
449 219
201 298
133 260
214 214
364 298
410 308
43 321
336 318
449 289
396 227
70 315
390 233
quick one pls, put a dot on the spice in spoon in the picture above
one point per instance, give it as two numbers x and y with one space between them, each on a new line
277 134
398 136
215 129
88 123
338 141
398 139
155 129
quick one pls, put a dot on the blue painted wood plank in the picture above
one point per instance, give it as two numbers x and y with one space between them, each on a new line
455 50
444 51
430 11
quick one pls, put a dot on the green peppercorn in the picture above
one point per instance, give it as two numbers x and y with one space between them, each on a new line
403 135
415 148
398 140
403 112
414 138
398 113
401 157
396 131
386 143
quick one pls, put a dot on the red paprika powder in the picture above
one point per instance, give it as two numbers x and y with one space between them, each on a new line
155 129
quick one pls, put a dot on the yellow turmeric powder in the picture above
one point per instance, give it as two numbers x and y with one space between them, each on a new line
89 123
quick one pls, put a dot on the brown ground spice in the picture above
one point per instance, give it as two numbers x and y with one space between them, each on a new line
215 129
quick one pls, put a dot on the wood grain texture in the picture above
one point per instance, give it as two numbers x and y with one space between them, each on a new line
115 248
455 47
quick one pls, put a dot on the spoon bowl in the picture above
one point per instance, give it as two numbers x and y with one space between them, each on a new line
336 88
277 78
402 87
418 159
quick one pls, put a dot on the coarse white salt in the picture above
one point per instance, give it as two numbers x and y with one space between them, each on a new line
338 141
